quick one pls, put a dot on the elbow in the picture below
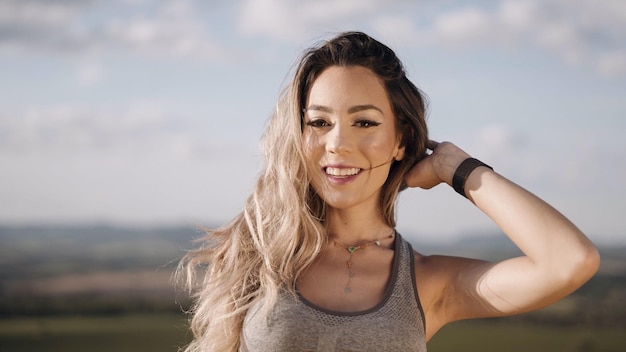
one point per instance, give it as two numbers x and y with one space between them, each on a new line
584 266
591 262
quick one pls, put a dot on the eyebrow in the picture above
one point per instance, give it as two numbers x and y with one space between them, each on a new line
351 110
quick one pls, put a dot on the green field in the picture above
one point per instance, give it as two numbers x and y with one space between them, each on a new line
167 332
154 333
502 336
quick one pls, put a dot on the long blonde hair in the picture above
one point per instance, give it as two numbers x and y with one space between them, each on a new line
281 228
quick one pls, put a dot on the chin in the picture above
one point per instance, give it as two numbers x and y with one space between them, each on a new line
345 203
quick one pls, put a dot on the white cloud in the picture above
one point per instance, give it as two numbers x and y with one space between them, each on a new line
72 127
579 32
173 29
180 37
89 74
37 13
397 30
464 27
135 131
293 20
40 25
612 64
500 138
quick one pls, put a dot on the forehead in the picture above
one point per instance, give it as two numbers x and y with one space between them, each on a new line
342 87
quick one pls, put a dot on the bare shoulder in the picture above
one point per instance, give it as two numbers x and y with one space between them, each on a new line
434 275
437 278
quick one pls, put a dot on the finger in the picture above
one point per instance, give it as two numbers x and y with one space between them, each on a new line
432 145
419 174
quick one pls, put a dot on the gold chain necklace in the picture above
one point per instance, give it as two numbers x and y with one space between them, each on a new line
352 249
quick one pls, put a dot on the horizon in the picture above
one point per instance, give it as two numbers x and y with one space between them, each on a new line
496 237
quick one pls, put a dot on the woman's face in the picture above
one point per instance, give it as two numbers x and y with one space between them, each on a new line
349 136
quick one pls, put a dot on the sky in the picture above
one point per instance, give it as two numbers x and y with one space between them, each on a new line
149 113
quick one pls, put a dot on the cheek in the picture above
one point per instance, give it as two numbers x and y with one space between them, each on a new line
378 145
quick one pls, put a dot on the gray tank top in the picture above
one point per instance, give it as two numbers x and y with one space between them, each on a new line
395 324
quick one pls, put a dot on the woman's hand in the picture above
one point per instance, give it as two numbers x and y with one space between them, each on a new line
437 167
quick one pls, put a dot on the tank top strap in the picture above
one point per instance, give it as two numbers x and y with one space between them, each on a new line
406 283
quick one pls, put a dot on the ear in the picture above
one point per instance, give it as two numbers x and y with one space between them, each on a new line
399 153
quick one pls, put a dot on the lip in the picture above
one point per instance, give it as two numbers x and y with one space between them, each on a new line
341 180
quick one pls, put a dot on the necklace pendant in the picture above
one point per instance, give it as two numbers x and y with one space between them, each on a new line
351 249
347 290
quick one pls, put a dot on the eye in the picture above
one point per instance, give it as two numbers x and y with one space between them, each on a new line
366 123
317 123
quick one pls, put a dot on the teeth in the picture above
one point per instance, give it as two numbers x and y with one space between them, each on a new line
335 171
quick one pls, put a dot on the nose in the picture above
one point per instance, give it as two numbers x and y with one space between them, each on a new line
339 140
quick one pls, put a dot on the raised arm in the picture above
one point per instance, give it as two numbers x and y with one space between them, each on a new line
558 258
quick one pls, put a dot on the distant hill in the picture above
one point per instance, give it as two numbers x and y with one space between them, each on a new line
96 269
35 251
90 269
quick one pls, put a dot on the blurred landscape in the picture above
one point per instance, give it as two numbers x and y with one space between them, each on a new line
104 288
51 270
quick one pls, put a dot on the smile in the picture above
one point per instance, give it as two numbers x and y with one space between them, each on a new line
342 171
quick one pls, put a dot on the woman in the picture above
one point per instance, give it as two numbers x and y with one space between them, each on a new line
313 261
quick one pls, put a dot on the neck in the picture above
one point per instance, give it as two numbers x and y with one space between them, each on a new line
352 227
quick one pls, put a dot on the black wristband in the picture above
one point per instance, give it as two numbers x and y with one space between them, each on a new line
462 173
